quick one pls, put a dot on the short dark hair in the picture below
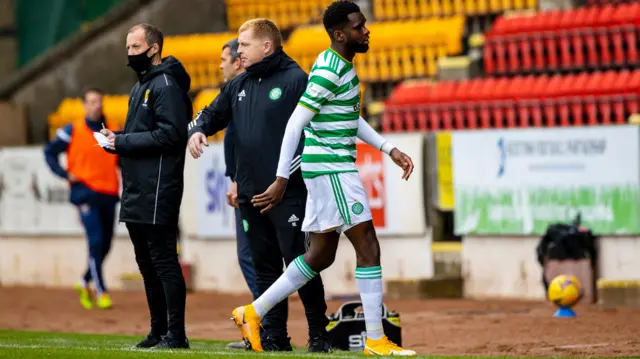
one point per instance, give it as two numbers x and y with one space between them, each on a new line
336 15
232 45
89 90
152 34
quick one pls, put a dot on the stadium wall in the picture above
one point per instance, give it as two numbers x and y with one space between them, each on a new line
65 70
507 266
42 242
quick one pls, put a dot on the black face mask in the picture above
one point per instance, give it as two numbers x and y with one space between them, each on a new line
140 62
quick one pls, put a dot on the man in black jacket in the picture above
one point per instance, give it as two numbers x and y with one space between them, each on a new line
259 102
152 153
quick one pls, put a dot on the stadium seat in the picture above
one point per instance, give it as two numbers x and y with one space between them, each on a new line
412 9
392 56
115 109
598 98
200 54
285 13
568 40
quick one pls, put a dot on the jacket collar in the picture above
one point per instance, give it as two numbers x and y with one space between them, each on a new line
268 65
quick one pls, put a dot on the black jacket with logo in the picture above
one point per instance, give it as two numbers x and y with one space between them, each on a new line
152 146
259 102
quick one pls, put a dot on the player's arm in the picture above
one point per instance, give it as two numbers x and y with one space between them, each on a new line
53 149
300 118
367 134
209 121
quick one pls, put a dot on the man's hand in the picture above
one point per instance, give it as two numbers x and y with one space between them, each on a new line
272 196
195 144
232 195
111 138
403 161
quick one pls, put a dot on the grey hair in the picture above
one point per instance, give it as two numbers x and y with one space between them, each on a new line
233 48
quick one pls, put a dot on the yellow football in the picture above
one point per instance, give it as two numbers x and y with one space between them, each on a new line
565 291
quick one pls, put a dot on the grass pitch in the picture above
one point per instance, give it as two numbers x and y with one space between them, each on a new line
21 344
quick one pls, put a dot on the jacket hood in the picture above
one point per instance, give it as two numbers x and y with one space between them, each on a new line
170 66
275 62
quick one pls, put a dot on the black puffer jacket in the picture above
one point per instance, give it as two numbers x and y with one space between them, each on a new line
259 103
152 146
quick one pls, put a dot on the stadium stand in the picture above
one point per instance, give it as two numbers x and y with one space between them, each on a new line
285 13
593 37
200 54
533 62
115 109
413 9
392 55
523 101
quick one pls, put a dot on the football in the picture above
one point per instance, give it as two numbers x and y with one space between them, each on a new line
564 291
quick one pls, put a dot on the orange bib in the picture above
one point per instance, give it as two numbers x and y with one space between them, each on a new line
90 163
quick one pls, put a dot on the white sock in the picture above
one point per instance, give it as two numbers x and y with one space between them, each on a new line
369 282
298 273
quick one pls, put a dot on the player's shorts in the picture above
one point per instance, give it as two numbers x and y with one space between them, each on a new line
335 202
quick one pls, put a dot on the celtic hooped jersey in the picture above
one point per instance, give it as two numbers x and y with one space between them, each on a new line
333 93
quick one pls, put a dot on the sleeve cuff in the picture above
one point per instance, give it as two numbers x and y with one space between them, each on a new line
387 147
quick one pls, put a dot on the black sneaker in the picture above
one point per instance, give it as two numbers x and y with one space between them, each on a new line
319 343
171 341
149 342
280 344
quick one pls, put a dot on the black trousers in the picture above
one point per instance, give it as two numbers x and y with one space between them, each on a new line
275 236
157 258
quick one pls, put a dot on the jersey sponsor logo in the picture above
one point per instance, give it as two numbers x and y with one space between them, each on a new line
275 93
241 95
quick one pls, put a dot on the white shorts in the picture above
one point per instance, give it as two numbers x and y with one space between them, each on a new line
335 202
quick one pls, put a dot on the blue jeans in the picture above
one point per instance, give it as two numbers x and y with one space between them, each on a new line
244 256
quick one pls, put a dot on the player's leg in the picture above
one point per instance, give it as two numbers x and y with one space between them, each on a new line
361 233
287 218
267 263
152 285
369 281
318 213
162 240
321 254
107 218
90 217
246 264
244 255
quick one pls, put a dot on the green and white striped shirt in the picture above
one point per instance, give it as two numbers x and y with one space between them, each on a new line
333 94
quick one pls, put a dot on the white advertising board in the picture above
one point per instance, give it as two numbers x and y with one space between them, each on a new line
33 201
397 206
520 181
215 218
